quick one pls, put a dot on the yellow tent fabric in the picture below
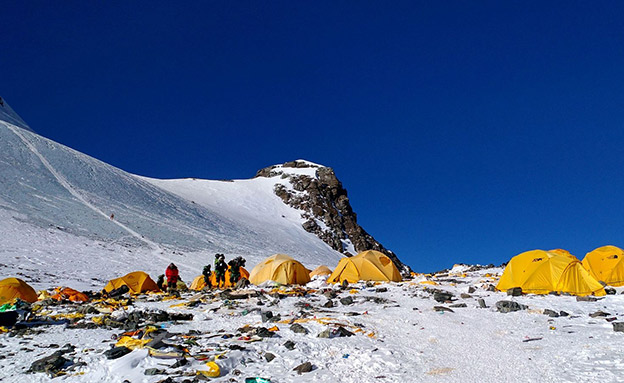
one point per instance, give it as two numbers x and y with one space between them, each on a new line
280 268
321 270
11 288
369 265
562 252
606 264
542 272
137 282
198 283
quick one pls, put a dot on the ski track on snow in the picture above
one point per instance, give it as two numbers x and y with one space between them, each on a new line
65 184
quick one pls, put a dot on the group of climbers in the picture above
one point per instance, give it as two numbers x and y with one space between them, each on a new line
172 275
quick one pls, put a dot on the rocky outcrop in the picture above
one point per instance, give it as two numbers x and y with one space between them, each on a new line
325 206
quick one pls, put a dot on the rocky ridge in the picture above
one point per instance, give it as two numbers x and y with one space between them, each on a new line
325 206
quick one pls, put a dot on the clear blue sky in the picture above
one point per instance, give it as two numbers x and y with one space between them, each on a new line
464 131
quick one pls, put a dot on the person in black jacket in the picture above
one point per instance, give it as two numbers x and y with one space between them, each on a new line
219 269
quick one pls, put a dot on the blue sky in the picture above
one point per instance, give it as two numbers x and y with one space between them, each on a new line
464 131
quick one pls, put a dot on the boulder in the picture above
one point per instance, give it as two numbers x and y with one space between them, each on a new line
303 368
51 364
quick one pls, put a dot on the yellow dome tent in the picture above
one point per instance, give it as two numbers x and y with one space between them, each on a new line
563 252
606 264
321 270
369 265
11 288
198 283
137 282
542 272
280 268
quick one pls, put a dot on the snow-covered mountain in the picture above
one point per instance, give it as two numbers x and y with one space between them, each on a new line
67 218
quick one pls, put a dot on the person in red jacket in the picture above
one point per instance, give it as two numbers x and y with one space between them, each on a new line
172 277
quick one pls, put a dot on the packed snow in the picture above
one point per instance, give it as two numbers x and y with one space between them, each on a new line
399 335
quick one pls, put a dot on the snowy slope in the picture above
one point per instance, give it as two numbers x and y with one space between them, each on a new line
51 191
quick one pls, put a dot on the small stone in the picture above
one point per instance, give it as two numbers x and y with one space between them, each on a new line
153 371
269 357
329 304
264 332
481 303
586 298
442 309
117 352
471 290
551 313
442 296
324 334
346 301
458 305
341 332
303 367
465 296
266 315
381 289
599 314
618 326
290 345
515 291
298 329
610 290
509 306
563 314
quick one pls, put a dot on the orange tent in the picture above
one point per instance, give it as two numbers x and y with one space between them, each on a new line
69 294
198 283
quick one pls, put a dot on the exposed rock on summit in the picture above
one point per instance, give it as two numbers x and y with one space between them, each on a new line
324 204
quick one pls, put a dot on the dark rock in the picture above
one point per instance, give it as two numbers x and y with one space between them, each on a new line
509 306
87 309
264 332
618 326
180 363
563 314
381 289
587 298
324 334
465 296
117 352
471 290
289 345
599 314
266 315
154 371
322 198
167 380
610 291
341 332
481 303
304 367
298 329
458 305
344 285
515 291
551 313
51 364
442 308
329 304
269 357
442 296
346 301
491 287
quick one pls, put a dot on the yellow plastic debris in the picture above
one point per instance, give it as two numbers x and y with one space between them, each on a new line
213 371
274 328
132 343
